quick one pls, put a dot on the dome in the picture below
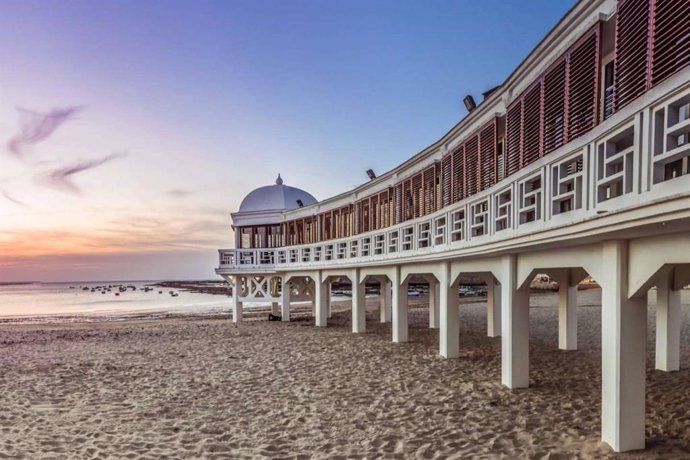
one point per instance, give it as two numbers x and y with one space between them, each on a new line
275 197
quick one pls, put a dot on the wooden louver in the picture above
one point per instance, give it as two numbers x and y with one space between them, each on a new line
631 51
671 38
472 164
458 174
554 107
447 180
513 137
487 155
583 88
531 125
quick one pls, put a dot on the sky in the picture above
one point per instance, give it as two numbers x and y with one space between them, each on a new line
130 130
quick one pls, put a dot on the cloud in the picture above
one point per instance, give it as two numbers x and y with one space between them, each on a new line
9 197
36 127
61 178
179 193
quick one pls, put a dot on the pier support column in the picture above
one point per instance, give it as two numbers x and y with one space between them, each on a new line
667 326
623 343
328 295
275 309
449 330
434 299
385 297
359 311
515 327
399 300
285 302
567 312
238 307
321 300
493 307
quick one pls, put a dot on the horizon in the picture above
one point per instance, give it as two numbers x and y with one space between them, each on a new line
131 132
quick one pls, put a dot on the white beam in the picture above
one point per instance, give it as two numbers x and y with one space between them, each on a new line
515 327
623 341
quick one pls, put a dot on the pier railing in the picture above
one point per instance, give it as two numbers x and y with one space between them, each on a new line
638 156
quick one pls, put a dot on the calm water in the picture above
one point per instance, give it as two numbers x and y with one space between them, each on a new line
69 299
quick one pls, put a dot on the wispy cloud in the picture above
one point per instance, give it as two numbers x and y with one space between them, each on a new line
61 178
12 199
179 193
36 127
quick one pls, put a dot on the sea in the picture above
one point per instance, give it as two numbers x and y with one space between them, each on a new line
91 301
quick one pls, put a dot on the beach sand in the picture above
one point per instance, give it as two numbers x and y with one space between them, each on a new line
203 387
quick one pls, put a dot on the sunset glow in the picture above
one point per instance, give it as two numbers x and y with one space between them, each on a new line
129 130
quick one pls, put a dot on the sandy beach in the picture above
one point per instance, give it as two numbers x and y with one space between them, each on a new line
202 387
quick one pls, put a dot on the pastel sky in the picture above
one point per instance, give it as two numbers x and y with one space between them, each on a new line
166 113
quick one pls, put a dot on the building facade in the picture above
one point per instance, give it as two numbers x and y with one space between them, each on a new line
577 165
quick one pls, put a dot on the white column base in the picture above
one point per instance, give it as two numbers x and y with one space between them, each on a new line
237 312
238 307
359 312
623 355
567 316
322 301
328 296
449 330
399 300
515 327
493 308
285 303
434 299
386 301
667 327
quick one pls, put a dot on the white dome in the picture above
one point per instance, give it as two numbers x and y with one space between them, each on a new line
275 197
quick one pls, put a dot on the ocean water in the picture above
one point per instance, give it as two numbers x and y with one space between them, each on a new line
46 300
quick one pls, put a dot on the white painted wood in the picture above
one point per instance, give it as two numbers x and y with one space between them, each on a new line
515 327
623 341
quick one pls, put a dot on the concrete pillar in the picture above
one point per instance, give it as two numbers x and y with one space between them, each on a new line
567 315
385 297
238 307
399 300
328 295
667 326
493 307
434 298
321 300
449 324
359 312
623 343
285 302
275 309
514 327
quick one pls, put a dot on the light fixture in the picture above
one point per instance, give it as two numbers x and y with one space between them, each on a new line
469 103
371 174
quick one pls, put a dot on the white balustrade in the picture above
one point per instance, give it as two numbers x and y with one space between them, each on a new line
586 177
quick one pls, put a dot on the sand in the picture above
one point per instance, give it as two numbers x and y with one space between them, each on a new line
205 388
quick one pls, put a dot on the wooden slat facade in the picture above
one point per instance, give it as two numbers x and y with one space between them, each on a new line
652 43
